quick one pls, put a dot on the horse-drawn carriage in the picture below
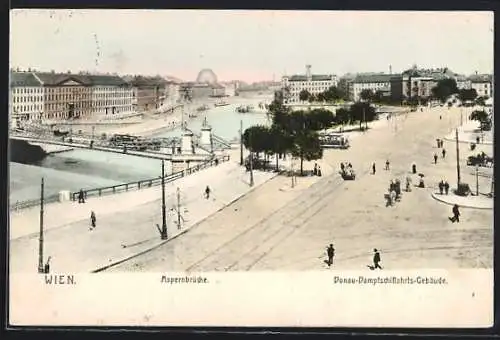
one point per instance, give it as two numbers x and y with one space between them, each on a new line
347 172
480 159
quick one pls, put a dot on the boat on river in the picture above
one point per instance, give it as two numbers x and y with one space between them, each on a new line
221 103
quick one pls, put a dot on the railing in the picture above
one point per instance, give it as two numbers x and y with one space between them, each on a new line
148 183
31 203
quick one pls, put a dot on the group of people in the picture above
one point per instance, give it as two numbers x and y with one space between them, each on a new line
443 186
317 170
346 169
330 251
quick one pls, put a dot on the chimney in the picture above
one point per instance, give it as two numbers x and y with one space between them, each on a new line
390 69
308 72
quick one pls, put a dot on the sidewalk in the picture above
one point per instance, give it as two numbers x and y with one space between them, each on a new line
475 202
125 222
469 131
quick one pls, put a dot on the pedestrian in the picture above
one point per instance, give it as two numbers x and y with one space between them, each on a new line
435 158
408 183
207 192
438 141
81 196
477 139
319 171
92 220
387 165
441 187
456 214
373 168
315 170
446 187
349 165
444 153
376 259
331 253
46 267
440 117
342 166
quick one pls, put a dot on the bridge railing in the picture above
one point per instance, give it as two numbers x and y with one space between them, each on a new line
148 183
19 205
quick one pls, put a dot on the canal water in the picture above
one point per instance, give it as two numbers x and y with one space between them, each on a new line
76 169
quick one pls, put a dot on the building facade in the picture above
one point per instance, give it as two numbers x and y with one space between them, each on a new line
374 82
26 97
148 92
66 96
313 83
111 95
483 84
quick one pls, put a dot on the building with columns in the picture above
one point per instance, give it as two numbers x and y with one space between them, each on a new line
313 83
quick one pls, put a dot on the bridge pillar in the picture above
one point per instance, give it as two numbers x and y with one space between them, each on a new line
206 137
187 146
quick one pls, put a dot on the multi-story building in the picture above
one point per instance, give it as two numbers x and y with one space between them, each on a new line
463 83
110 95
482 83
26 97
148 92
374 82
418 83
66 96
313 83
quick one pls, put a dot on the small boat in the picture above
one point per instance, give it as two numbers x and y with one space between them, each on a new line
70 161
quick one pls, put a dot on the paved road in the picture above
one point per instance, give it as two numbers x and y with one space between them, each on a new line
271 229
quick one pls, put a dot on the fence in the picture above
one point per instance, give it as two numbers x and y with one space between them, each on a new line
148 183
31 203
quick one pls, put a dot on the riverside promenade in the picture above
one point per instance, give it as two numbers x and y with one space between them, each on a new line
126 222
277 227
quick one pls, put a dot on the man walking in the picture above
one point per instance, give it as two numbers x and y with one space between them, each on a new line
81 196
444 153
387 165
435 158
456 214
373 168
331 253
92 220
207 192
446 187
376 259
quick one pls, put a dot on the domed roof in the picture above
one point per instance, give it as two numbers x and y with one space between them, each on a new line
206 76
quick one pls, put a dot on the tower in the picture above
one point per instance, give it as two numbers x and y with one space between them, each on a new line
308 72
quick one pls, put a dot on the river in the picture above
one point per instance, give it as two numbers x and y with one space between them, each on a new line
86 169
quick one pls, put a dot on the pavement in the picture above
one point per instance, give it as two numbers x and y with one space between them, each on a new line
277 227
478 202
469 131
125 222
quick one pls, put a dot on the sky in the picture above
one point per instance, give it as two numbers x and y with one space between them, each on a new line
249 45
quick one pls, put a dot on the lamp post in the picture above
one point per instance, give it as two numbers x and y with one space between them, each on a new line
164 234
458 158
477 180
251 160
178 208
40 238
241 142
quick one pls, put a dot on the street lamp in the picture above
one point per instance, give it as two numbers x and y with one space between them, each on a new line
241 142
164 234
40 238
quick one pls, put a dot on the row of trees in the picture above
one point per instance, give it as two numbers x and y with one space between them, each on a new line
331 95
296 132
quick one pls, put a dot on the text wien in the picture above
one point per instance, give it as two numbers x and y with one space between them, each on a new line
60 280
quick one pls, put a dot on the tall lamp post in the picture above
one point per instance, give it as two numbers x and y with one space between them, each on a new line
241 142
458 158
164 234
251 160
40 238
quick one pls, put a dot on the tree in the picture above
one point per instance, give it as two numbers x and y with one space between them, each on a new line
467 94
343 116
481 101
444 89
307 146
304 95
319 119
312 98
366 94
281 143
483 118
333 94
362 112
255 138
378 97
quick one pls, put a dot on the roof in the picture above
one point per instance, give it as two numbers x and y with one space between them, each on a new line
52 79
315 77
373 78
106 80
147 81
480 78
23 79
